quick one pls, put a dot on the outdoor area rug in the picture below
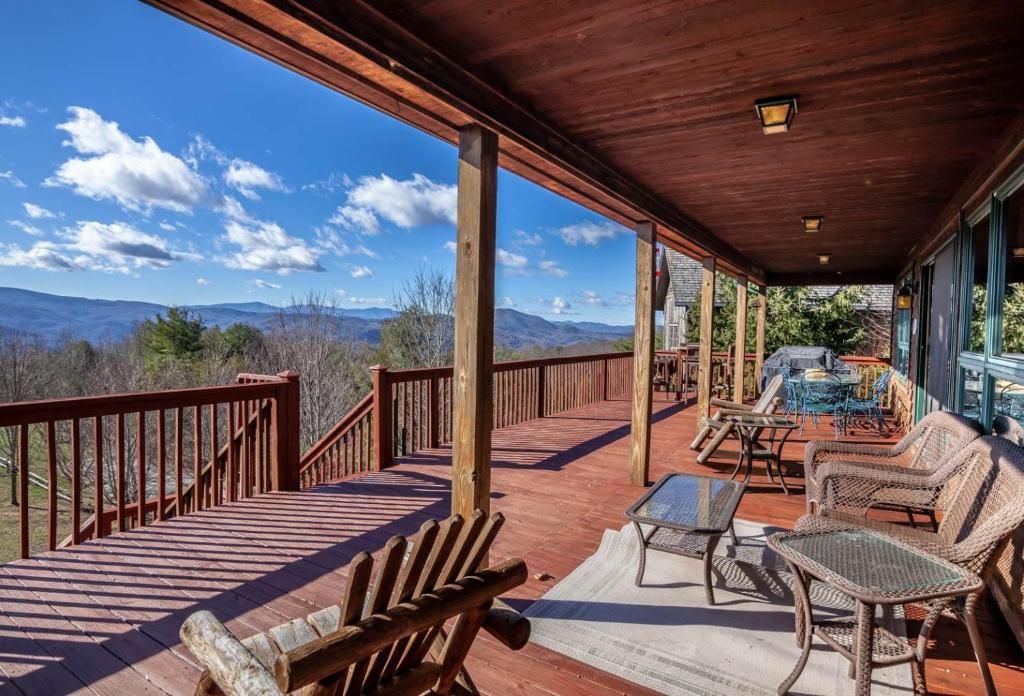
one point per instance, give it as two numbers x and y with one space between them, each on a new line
663 636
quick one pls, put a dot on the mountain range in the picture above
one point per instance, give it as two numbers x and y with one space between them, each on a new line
54 317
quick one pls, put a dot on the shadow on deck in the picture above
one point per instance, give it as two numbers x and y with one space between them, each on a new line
103 617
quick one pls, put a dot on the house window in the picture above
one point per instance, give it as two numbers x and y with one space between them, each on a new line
903 323
971 382
974 341
1012 316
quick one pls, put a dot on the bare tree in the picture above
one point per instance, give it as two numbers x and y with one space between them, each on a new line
423 333
307 337
22 359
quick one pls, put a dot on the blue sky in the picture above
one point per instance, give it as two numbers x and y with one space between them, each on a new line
141 158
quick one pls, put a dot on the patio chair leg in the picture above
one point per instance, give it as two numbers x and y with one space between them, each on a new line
732 532
978 644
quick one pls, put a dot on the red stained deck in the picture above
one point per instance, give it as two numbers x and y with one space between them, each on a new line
103 617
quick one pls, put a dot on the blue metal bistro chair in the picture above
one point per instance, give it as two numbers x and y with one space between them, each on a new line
824 397
871 406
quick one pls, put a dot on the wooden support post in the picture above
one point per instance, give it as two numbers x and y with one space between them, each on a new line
643 355
707 314
473 372
741 339
383 440
762 313
284 473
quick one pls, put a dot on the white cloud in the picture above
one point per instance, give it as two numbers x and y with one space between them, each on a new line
361 220
509 260
232 208
592 233
333 183
361 272
119 247
265 284
13 121
451 246
25 227
365 251
410 203
377 301
552 268
42 255
528 239
265 246
167 227
560 305
591 297
506 302
9 177
135 173
246 177
203 281
37 212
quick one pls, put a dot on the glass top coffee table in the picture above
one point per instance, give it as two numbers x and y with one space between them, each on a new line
687 515
873 569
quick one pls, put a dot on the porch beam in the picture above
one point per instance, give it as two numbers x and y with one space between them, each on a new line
762 315
830 278
474 320
707 314
643 355
740 348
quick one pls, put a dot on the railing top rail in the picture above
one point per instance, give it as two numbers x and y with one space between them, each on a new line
417 373
25 412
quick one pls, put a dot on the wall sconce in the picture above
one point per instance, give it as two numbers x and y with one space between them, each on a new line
775 114
904 298
812 223
823 259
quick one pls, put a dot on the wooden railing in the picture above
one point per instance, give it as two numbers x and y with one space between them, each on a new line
417 411
682 378
130 458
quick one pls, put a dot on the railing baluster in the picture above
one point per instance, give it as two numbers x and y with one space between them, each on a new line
23 466
76 482
179 460
120 473
140 472
161 464
98 527
215 496
229 482
197 464
51 485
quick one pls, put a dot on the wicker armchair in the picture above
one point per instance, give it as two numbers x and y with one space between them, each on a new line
979 490
1010 428
926 446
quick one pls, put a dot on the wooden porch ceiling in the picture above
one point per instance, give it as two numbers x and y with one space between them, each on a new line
643 108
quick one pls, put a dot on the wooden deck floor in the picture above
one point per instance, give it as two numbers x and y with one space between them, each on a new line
103 617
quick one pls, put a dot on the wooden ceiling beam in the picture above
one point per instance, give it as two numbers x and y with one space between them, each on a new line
395 71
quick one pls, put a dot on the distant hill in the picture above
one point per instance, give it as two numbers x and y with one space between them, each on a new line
54 316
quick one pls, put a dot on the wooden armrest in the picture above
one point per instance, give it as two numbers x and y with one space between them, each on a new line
508 626
731 404
232 666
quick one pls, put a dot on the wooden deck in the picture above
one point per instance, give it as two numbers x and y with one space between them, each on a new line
103 617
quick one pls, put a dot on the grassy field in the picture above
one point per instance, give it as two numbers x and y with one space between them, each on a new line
37 519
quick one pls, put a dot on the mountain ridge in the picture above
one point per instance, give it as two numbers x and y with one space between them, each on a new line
54 317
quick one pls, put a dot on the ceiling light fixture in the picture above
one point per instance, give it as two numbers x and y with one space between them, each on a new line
776 114
812 223
823 259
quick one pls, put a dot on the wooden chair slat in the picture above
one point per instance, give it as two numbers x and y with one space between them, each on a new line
387 575
464 546
478 554
292 634
326 620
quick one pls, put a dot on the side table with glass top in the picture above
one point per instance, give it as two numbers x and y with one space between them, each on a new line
873 569
687 515
755 446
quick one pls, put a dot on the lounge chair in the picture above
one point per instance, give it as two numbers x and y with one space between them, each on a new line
928 444
979 491
386 637
718 428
